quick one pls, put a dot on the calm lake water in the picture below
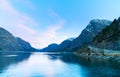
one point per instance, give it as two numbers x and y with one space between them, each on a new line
54 65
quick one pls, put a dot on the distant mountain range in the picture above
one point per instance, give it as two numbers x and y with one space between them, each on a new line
58 48
98 33
93 28
10 43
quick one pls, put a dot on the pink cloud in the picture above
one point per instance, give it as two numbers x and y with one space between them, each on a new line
5 6
20 24
53 13
52 29
51 35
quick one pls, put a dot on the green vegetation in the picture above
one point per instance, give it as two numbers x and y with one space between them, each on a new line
110 33
107 39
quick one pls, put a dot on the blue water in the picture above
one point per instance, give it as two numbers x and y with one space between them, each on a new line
54 65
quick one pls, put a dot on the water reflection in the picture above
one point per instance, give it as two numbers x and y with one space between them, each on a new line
54 65
7 59
91 67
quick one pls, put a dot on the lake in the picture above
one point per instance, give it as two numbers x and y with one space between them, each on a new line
54 65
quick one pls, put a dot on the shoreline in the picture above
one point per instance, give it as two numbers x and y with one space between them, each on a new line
96 54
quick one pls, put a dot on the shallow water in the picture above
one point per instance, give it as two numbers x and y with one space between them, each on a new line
54 65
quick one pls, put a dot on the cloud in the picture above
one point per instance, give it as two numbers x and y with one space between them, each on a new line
29 30
52 29
50 35
5 6
22 25
53 13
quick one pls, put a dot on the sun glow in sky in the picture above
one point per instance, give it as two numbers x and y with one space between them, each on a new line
42 22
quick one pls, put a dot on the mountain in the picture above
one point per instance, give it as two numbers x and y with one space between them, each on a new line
59 48
50 48
24 45
87 35
66 44
10 43
105 46
109 37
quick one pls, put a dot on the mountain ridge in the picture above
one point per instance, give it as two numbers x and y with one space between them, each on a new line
86 36
91 30
106 45
58 47
8 42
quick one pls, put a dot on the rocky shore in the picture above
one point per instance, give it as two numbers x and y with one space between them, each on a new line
99 54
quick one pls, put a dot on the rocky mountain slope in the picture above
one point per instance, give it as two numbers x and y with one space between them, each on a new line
10 43
24 45
109 38
106 45
87 35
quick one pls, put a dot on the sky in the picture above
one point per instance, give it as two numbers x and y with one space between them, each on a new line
42 22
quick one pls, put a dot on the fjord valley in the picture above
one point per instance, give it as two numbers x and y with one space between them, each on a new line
98 44
59 38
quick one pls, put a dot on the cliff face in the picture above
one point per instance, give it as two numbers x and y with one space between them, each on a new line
87 35
10 43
